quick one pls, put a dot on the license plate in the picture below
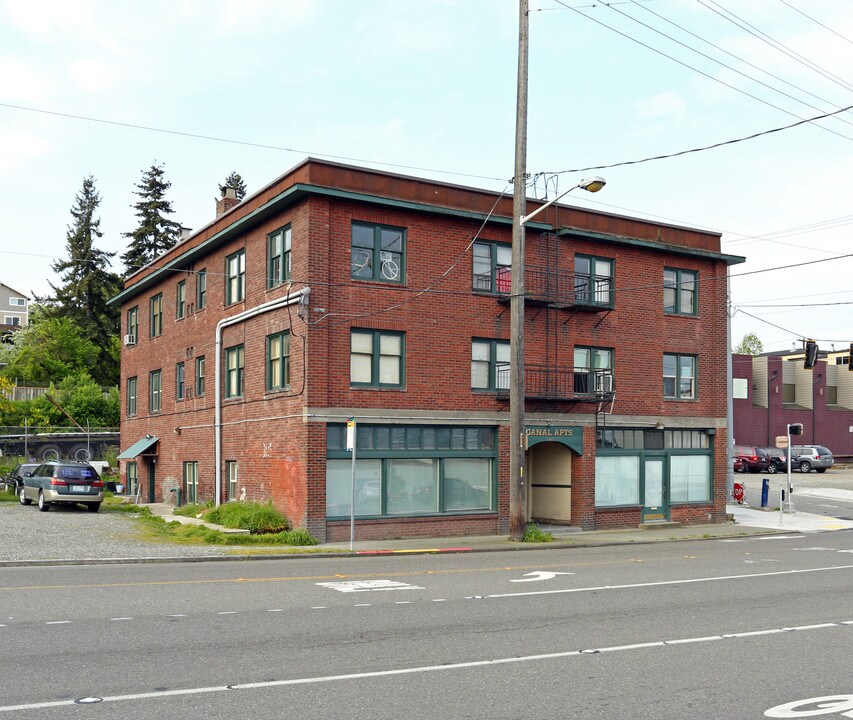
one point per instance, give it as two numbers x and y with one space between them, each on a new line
79 488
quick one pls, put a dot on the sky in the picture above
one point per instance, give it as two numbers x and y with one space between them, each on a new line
428 88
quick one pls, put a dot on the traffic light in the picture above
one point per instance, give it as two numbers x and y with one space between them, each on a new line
811 354
795 429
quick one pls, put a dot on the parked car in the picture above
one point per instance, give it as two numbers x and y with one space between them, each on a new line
753 459
778 460
808 457
15 478
62 482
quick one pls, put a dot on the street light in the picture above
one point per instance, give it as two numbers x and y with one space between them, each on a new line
593 185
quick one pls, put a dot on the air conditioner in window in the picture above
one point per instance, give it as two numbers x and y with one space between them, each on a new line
603 383
130 340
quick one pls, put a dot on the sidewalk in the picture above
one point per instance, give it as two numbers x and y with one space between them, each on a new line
747 522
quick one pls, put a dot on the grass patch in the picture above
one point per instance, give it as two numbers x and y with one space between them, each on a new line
534 534
257 518
8 495
192 509
157 528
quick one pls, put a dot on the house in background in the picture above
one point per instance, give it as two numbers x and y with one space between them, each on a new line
14 310
340 293
774 390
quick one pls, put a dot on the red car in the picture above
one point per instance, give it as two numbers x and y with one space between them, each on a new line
753 459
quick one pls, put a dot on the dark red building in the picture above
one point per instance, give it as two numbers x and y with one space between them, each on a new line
340 293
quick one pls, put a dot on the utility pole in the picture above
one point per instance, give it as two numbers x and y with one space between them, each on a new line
517 443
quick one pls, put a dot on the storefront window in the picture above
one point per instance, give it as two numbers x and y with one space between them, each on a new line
690 478
617 480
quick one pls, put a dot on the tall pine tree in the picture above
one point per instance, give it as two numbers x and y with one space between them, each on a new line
234 180
156 232
87 285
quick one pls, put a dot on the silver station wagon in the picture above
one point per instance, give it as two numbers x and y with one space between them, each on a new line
62 482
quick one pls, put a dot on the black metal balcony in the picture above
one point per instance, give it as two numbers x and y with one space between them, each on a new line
547 382
560 288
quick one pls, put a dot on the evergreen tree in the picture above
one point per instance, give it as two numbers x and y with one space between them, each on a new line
234 180
87 284
156 232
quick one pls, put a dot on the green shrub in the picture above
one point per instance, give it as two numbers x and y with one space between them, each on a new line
257 518
534 534
191 509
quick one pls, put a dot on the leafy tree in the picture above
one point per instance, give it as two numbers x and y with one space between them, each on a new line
88 284
156 232
234 180
84 400
750 345
48 349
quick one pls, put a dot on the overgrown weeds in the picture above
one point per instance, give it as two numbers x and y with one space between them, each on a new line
534 534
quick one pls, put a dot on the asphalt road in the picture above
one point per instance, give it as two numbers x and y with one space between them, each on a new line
829 493
706 629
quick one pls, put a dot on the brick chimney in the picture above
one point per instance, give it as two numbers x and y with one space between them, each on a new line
227 201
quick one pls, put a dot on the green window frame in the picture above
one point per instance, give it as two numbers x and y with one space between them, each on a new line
587 361
492 267
155 391
199 375
180 381
679 377
278 257
278 361
181 299
234 372
377 358
132 477
191 481
133 323
132 396
378 252
201 289
490 364
411 470
594 280
680 291
156 312
235 277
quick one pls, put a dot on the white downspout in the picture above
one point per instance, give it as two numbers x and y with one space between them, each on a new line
289 299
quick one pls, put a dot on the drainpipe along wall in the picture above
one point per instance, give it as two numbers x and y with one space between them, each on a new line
289 299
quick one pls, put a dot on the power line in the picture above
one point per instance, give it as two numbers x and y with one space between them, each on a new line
818 22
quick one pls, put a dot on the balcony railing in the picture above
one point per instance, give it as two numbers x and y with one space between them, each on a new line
545 382
560 288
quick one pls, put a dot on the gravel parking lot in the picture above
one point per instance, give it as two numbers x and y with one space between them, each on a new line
76 534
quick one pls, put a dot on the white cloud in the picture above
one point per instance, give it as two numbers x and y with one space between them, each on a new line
23 82
667 106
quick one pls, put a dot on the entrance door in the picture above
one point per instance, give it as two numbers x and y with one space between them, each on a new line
151 481
655 501
549 469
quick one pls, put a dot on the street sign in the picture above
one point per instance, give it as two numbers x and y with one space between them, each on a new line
781 441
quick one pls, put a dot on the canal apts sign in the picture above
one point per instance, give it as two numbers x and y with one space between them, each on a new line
569 435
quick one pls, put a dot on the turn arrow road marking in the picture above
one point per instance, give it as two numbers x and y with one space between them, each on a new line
540 575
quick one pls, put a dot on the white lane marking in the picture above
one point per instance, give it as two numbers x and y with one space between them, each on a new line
227 612
58 622
175 615
540 575
439 599
276 610
362 605
403 602
158 694
368 585
320 607
664 583
813 549
778 537
116 619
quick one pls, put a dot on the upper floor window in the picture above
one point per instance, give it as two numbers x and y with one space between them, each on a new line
199 376
131 396
679 291
234 372
181 299
200 289
490 364
180 381
679 377
278 361
593 280
378 252
155 391
19 301
492 269
278 257
592 366
157 315
235 277
377 358
133 323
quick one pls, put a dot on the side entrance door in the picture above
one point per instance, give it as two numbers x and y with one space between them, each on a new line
655 496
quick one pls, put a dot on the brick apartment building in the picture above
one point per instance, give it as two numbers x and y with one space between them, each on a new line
338 292
774 390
